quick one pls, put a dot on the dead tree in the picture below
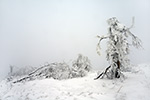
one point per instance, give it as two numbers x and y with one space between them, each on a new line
117 47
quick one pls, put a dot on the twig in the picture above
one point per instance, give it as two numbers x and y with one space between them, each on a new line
119 89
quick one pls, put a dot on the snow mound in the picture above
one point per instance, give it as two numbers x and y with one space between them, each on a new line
135 86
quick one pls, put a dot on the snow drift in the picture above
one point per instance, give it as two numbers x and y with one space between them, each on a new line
135 86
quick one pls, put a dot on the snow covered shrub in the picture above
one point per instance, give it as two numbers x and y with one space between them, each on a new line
81 66
54 70
17 72
59 71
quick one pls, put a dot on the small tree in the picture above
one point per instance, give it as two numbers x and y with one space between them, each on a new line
117 48
81 66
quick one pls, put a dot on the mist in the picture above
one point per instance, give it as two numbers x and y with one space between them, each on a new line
33 32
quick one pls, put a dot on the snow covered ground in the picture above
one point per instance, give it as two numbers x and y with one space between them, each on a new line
135 86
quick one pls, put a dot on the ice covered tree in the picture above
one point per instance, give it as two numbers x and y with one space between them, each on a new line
57 71
81 66
117 47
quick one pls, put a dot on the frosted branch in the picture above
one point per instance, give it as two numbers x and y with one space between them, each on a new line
131 24
98 45
135 40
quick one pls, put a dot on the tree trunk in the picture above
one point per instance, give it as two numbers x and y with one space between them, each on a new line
117 70
115 73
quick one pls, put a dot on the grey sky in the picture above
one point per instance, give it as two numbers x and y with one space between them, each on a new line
33 32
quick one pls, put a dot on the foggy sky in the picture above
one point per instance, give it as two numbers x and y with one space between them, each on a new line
33 32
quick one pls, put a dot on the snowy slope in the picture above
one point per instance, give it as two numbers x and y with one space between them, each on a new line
136 86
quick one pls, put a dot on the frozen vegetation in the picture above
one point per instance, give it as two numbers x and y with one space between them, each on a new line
59 81
80 67
134 86
117 47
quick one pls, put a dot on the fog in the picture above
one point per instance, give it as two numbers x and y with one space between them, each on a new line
33 32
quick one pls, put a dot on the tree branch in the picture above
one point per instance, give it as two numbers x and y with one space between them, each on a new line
131 24
135 40
98 45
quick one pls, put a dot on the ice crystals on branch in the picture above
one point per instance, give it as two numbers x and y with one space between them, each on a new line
117 47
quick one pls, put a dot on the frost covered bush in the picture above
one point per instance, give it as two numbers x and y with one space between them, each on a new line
81 66
59 71
17 72
55 70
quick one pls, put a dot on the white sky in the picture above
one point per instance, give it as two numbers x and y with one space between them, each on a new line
33 32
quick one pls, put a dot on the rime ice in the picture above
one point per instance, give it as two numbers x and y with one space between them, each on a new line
117 47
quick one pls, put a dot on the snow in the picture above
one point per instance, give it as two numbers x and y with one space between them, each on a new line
135 86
